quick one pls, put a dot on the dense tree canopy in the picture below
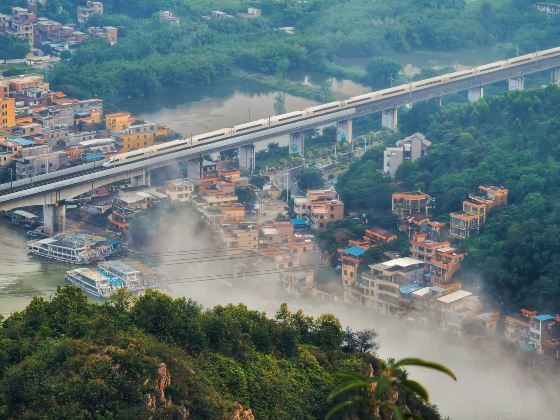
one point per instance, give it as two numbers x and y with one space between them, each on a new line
381 72
11 47
158 357
151 56
309 179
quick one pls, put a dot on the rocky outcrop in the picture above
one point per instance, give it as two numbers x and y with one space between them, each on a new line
157 399
241 413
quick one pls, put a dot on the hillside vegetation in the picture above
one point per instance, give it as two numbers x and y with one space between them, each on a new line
511 140
151 56
156 357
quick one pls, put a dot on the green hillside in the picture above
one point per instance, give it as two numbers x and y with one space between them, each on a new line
511 140
155 357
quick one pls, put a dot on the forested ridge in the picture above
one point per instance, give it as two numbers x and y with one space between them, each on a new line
151 56
158 357
511 140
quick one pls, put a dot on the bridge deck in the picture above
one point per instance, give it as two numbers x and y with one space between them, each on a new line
11 193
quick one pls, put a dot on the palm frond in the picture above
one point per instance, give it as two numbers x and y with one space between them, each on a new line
417 388
413 361
342 405
345 387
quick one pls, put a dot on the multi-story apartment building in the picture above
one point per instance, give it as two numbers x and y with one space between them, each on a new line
377 235
410 148
453 309
443 260
550 8
242 237
320 207
444 264
380 286
534 332
126 205
118 121
544 333
8 151
21 24
110 33
7 112
464 225
137 136
18 84
351 258
516 326
40 164
169 17
91 7
180 189
55 117
411 203
297 282
467 224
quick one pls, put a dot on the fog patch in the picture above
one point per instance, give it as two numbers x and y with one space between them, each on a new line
492 383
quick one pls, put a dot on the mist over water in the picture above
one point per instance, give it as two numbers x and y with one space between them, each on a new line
492 383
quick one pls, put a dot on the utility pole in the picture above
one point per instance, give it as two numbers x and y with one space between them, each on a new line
11 176
288 187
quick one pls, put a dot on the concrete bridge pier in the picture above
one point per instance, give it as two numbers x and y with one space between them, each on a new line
389 118
344 131
556 75
516 83
194 168
54 218
143 180
296 146
247 158
476 93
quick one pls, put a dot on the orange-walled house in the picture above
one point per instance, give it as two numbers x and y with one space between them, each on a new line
7 112
118 121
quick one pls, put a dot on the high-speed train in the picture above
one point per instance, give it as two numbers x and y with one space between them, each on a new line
327 108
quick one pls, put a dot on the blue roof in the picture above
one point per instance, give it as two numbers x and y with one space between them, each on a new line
96 156
23 142
82 114
113 241
544 317
354 251
299 222
409 288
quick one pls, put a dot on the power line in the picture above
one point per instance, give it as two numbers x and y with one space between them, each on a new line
196 279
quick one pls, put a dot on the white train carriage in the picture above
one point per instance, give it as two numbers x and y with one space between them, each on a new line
458 75
490 67
250 126
213 135
283 118
549 53
522 59
394 91
361 98
323 108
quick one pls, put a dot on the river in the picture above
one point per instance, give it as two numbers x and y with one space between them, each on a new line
224 104
21 275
